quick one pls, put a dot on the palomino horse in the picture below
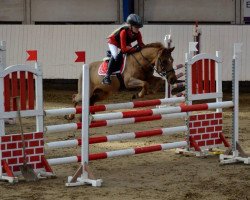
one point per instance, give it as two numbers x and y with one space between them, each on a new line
138 73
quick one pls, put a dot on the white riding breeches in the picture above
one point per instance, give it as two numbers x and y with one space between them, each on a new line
114 50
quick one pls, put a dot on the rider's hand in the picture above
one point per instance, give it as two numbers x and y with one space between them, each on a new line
137 48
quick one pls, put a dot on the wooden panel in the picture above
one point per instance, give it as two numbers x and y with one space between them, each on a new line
194 78
23 91
206 76
31 91
7 93
14 85
212 76
200 76
12 10
74 10
189 10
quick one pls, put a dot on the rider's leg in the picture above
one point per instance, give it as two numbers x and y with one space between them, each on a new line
114 50
119 61
112 63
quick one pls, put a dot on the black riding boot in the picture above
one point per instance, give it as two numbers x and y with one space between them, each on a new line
111 65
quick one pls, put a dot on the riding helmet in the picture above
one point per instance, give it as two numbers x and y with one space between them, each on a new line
135 20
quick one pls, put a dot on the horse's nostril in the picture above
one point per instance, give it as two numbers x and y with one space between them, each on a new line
172 80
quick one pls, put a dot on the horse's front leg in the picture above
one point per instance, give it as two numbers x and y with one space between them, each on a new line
76 98
156 83
135 83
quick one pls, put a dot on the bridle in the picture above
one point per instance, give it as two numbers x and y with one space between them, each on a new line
162 73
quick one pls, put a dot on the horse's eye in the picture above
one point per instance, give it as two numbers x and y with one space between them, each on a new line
165 62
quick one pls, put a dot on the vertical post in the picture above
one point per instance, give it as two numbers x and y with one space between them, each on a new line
39 98
238 154
218 74
83 175
189 68
188 91
85 120
235 90
197 34
168 44
2 67
188 80
2 127
2 55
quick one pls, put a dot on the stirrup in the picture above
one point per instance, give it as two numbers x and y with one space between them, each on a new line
106 80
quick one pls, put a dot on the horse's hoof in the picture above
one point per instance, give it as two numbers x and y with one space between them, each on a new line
69 117
178 90
134 96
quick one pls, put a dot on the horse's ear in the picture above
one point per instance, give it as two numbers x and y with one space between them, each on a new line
170 50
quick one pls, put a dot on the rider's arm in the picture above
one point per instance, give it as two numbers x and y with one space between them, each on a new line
139 40
124 47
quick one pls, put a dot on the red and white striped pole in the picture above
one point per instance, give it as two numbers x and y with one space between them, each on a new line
123 152
112 122
108 107
172 112
118 137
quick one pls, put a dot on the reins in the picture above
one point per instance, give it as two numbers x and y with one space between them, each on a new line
162 74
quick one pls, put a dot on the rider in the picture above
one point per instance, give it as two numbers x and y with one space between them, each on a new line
122 39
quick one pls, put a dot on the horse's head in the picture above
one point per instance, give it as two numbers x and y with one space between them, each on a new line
164 65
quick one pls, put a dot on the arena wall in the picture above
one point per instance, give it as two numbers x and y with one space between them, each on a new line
56 44
111 11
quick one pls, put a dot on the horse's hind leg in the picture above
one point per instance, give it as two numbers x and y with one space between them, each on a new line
93 99
135 83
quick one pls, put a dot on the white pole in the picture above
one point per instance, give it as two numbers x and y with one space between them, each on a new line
235 89
60 112
60 128
85 120
39 99
168 44
61 144
65 160
188 90
236 150
218 74
2 66
2 55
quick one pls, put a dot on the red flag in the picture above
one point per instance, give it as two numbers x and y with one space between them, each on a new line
32 55
80 56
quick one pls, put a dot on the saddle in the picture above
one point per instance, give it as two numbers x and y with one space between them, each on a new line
119 68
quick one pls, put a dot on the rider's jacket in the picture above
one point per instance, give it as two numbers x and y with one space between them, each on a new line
123 38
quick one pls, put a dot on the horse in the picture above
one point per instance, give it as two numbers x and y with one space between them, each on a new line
138 73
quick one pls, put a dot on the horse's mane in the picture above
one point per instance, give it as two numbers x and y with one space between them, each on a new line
154 45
